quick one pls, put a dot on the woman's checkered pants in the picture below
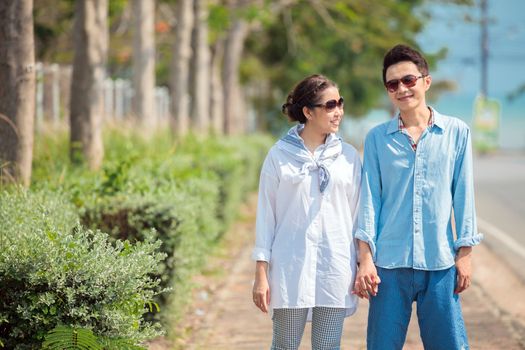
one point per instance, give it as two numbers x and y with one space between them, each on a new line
327 328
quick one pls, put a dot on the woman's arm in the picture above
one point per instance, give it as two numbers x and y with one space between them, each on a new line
261 289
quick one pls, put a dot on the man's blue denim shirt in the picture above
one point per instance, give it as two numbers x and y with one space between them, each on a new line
407 196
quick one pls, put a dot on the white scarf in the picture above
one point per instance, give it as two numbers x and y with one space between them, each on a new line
293 144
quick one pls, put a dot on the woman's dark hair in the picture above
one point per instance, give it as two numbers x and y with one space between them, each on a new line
306 93
400 53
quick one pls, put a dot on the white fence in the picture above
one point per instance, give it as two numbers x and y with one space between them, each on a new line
53 85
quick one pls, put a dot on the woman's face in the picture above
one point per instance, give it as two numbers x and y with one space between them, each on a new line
326 116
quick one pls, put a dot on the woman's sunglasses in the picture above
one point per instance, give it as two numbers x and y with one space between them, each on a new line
408 80
330 105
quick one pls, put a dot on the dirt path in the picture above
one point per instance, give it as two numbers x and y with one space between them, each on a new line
223 317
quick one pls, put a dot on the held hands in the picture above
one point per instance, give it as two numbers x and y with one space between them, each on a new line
463 269
367 281
261 289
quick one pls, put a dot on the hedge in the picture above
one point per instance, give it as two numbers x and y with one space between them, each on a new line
187 192
55 272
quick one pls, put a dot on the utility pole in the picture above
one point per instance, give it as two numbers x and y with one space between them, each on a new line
484 49
487 111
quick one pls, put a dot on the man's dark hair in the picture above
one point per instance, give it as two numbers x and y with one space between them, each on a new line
400 53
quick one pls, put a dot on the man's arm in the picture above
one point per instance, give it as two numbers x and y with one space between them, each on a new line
464 214
463 196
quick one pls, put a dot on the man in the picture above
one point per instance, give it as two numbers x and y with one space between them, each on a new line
417 170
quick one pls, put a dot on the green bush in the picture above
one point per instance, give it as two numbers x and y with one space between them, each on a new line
185 226
189 191
236 161
54 272
182 210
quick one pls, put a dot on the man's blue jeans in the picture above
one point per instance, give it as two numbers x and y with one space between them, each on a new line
438 309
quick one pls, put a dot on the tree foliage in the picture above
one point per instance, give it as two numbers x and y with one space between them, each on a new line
344 40
288 39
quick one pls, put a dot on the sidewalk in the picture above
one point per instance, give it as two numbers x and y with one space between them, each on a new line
225 317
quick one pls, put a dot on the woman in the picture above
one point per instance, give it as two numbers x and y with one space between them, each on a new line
308 195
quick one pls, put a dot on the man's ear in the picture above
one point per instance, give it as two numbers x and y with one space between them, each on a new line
428 82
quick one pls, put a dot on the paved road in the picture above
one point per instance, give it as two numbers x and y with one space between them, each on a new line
500 204
226 318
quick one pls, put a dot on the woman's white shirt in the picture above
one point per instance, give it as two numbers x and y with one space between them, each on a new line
308 236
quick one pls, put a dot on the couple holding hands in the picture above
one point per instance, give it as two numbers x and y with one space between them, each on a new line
330 230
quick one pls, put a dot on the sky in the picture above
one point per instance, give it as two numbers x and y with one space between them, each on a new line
506 65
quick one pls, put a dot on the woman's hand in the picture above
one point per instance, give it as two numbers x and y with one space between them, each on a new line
261 289
367 281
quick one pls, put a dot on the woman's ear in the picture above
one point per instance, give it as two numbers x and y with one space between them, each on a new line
307 113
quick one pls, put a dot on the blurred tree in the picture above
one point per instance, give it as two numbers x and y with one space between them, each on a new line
343 39
216 95
258 49
201 68
17 90
86 104
182 54
244 17
234 105
144 63
218 22
53 23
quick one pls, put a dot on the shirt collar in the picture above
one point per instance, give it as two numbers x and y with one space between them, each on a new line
436 119
393 126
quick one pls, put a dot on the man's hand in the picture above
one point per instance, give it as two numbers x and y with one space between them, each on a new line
463 269
367 281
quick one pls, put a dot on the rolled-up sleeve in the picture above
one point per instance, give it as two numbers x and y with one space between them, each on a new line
370 201
266 218
463 197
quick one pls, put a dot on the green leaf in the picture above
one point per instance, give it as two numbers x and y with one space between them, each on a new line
63 337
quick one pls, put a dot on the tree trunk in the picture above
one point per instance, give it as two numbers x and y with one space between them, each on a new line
216 89
86 106
233 101
181 66
17 90
144 63
202 81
